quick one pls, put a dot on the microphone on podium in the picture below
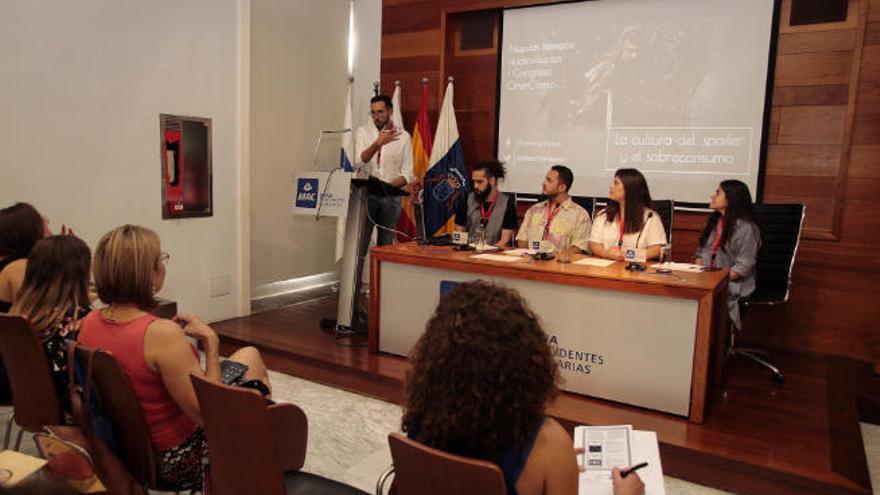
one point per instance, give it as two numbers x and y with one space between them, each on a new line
633 265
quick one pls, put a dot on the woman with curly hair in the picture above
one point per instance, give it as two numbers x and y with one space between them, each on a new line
482 375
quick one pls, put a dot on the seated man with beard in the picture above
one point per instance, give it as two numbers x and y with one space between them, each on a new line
487 208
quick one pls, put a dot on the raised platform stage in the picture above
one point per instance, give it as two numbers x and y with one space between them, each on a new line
802 437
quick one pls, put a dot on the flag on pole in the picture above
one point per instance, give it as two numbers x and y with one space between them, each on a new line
446 179
345 163
421 141
397 114
406 225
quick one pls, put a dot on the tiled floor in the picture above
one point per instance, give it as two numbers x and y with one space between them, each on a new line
348 435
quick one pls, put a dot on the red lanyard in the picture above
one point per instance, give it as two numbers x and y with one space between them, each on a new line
620 239
717 236
717 242
484 214
551 214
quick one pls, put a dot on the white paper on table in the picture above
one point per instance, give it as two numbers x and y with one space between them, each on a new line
644 449
480 248
517 252
600 262
496 257
21 465
680 267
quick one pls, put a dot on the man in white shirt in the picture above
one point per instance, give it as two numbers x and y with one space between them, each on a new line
385 152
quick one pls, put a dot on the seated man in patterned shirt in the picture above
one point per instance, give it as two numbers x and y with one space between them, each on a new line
557 216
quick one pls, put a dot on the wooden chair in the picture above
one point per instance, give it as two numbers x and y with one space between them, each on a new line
422 470
257 448
131 435
34 399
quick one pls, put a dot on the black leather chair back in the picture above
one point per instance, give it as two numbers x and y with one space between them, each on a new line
665 208
586 202
781 226
599 204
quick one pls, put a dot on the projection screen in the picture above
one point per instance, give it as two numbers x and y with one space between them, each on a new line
675 88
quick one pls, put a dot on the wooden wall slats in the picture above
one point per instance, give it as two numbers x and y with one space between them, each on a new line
861 223
863 189
865 161
867 125
874 11
872 35
871 63
817 41
410 64
789 96
802 159
773 131
414 16
813 69
411 44
812 186
811 125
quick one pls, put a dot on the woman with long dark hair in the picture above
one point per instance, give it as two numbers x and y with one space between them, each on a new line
21 227
731 239
54 297
629 220
482 375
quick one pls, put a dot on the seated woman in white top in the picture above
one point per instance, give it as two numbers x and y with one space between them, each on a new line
628 221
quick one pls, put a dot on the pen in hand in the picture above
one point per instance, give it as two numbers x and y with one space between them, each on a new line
628 471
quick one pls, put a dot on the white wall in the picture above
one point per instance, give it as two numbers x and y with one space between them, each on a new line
298 76
82 84
367 57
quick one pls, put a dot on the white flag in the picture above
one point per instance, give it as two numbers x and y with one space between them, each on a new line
397 117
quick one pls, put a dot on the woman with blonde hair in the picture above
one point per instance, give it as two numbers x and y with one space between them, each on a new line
54 297
129 268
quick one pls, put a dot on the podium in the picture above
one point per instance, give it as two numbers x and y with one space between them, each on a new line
352 259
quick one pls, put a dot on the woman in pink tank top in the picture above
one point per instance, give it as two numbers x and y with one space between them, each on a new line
129 268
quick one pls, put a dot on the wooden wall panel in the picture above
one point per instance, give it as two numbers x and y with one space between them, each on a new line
824 152
811 125
802 159
838 40
810 95
813 69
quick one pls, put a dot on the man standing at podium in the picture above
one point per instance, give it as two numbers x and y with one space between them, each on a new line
385 152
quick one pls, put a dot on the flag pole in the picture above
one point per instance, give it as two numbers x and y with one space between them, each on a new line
422 188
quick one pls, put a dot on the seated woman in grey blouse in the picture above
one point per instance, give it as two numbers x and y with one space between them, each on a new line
731 239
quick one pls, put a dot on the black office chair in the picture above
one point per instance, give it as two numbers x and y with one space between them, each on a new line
585 202
780 237
665 209
599 204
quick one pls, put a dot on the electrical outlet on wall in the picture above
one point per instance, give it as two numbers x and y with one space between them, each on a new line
220 285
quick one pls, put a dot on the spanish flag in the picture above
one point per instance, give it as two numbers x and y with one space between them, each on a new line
421 142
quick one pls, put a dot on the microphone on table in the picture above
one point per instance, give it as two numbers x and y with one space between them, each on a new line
633 266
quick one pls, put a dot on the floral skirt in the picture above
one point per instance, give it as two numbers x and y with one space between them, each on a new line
181 467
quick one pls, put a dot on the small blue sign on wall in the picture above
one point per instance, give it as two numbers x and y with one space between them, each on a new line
307 193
